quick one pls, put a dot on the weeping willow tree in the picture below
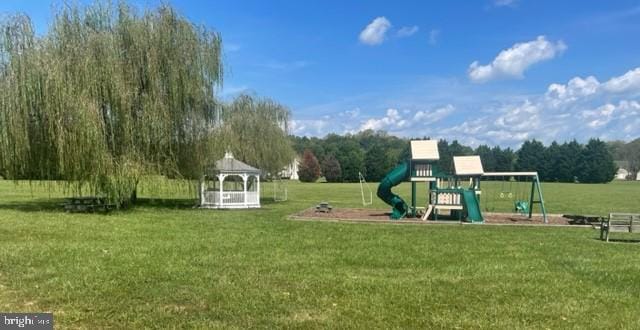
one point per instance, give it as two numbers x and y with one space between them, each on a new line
107 96
255 130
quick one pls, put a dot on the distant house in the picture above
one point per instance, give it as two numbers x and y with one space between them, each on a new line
622 174
291 171
623 170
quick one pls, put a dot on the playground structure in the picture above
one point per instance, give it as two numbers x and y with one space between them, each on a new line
457 194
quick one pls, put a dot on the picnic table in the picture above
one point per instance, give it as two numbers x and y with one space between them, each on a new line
87 204
323 207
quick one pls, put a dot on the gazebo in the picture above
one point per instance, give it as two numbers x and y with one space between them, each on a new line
230 184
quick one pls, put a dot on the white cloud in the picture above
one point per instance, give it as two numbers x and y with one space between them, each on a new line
392 120
576 88
630 81
579 108
354 113
407 31
231 47
396 123
512 62
315 127
286 66
560 114
433 36
230 90
504 3
375 33
602 115
429 117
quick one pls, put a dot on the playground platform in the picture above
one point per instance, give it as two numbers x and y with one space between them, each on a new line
382 216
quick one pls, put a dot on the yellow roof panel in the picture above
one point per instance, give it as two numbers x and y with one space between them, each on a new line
424 150
468 165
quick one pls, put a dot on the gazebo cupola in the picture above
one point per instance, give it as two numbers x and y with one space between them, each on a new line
230 184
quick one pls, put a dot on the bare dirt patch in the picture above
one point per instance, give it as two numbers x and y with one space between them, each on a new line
382 216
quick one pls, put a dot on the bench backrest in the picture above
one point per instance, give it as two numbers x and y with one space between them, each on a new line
623 219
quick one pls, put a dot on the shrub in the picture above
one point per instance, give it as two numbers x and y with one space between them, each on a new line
309 170
331 169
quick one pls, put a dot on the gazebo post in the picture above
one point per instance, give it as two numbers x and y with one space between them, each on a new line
202 184
258 188
244 194
221 180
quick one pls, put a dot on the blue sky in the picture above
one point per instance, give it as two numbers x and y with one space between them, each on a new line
486 71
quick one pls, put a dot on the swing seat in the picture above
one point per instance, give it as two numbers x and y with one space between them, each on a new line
506 194
521 207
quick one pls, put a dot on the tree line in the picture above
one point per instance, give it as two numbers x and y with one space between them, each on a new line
340 158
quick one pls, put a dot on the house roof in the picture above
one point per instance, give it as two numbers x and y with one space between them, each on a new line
228 164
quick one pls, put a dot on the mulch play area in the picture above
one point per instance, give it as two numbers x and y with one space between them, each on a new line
382 216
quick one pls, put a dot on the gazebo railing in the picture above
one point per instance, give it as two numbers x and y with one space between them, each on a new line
232 197
253 197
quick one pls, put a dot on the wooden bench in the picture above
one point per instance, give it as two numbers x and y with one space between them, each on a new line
323 207
619 222
87 204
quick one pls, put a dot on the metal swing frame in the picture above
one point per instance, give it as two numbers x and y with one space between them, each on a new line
535 186
363 183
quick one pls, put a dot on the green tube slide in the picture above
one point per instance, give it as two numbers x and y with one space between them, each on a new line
394 178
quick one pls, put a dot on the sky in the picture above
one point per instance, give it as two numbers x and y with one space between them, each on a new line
494 72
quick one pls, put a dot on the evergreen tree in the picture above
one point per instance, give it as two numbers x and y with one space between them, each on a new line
309 169
552 159
504 159
531 157
566 160
376 163
446 158
488 161
331 169
597 164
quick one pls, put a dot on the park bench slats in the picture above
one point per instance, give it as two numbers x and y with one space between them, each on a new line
619 222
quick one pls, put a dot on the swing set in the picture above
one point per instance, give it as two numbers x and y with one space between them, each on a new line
365 191
519 191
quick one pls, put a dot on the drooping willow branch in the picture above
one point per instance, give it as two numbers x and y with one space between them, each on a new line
108 96
255 130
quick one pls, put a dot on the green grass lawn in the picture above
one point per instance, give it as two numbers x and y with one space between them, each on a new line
165 264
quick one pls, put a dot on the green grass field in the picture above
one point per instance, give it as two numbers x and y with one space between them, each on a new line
165 264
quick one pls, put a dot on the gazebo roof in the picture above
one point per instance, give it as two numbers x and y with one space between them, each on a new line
228 164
